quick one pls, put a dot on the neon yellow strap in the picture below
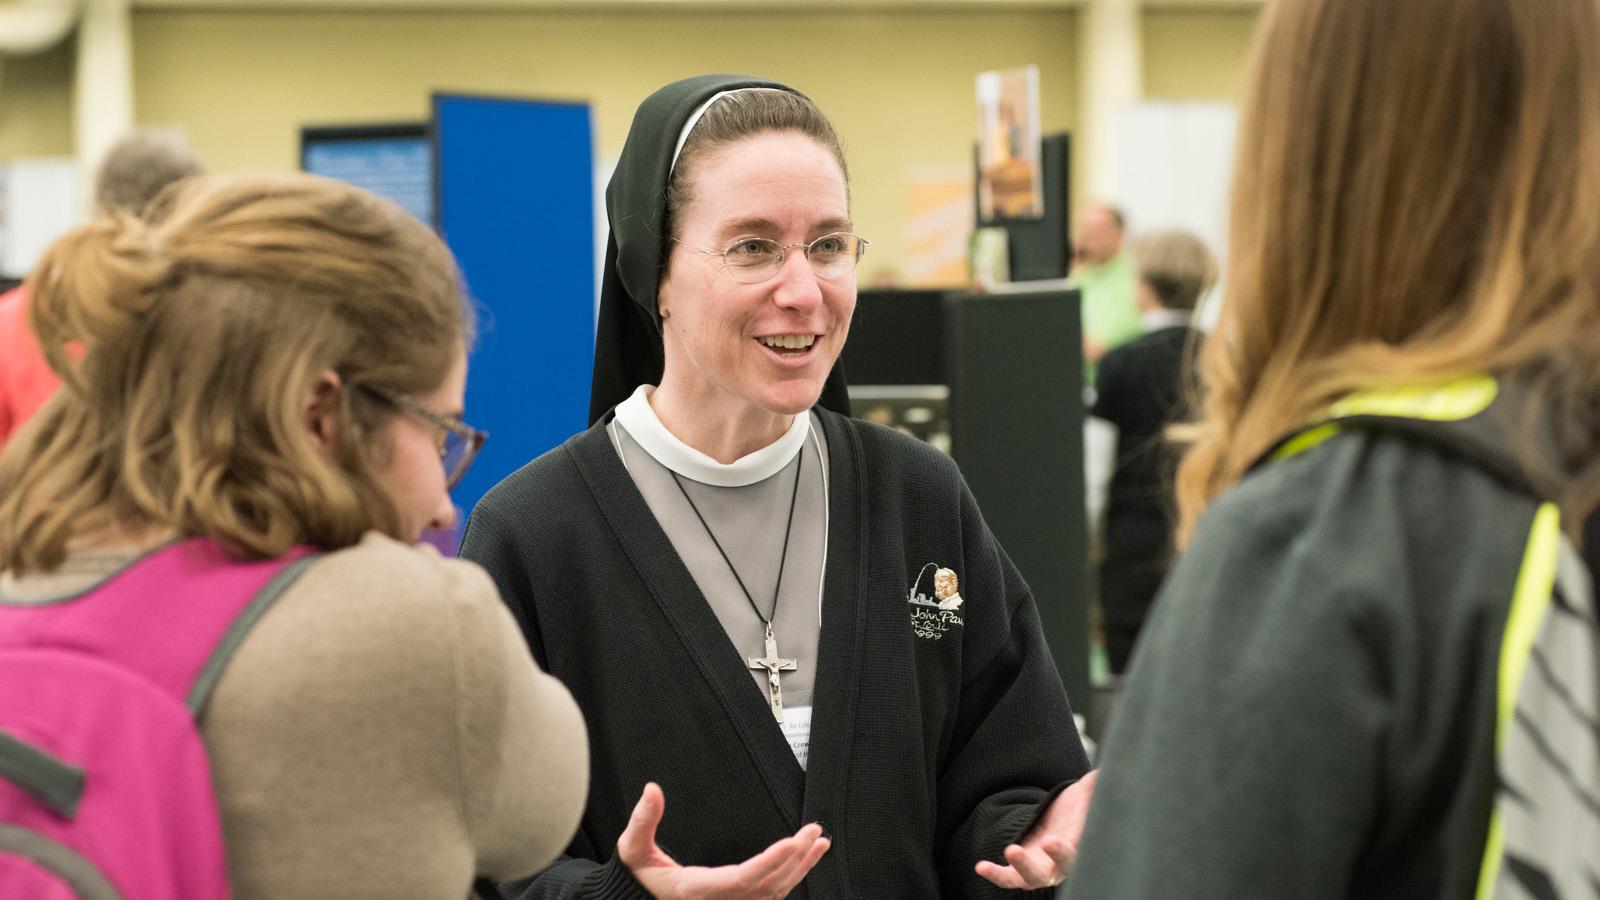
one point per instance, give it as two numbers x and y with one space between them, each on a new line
1529 603
1305 440
1451 401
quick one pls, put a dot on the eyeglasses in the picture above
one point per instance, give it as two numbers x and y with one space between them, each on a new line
752 260
459 442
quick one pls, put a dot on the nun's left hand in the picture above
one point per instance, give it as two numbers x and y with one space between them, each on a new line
1045 855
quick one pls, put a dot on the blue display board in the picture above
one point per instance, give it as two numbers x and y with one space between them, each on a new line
515 202
392 161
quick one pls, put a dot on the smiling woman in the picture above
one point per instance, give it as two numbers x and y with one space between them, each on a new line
746 354
723 567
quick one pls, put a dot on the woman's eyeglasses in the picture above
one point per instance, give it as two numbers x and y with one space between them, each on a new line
459 442
752 260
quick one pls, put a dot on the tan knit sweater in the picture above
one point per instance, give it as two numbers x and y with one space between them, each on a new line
383 732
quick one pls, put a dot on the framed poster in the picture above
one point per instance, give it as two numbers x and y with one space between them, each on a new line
393 161
1009 180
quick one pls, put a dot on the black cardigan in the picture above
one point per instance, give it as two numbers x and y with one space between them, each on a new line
927 755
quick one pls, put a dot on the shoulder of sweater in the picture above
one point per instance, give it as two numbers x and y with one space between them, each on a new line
376 619
403 580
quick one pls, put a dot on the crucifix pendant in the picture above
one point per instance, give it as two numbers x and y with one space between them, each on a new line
774 664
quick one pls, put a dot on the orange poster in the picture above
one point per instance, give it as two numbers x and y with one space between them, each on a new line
938 223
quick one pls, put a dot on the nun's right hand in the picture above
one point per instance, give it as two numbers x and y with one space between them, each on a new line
772 873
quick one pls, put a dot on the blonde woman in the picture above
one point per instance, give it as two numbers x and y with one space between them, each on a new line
274 366
1374 671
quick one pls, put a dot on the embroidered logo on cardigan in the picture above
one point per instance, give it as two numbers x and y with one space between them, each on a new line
933 617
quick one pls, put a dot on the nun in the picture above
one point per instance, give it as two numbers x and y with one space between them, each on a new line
808 668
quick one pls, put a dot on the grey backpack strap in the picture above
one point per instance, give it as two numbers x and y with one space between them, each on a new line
53 782
59 860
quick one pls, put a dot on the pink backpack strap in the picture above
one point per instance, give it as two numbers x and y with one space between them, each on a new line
175 615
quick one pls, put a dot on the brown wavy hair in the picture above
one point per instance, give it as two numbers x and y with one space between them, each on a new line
1416 196
204 328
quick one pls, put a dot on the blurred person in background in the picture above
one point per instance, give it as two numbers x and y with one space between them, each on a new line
1104 274
135 170
1143 387
273 367
1375 669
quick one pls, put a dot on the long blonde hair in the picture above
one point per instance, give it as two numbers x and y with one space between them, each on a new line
1416 196
204 328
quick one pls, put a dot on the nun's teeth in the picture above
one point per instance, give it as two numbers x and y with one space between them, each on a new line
790 341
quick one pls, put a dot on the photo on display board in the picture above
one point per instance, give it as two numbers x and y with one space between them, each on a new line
1009 181
990 256
919 410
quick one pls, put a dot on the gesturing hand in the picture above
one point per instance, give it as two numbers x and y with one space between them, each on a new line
772 873
1046 853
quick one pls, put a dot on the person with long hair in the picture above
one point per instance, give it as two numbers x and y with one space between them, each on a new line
273 368
1373 672
806 663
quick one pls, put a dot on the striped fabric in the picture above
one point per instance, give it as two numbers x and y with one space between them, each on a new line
1544 839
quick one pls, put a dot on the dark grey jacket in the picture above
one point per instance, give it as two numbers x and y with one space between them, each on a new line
1312 709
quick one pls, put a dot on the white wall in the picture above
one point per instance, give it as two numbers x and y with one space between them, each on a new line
38 203
1176 161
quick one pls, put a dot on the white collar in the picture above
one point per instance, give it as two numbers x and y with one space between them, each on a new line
635 415
1157 319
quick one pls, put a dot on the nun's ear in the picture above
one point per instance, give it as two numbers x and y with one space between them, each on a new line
661 296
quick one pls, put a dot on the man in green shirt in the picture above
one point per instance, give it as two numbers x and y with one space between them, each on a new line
1104 273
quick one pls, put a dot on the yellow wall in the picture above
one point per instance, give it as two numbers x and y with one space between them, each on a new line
36 103
898 86
1196 55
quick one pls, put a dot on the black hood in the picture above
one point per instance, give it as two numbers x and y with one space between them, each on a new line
627 347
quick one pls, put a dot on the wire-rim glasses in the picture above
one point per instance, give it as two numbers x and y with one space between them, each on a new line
752 260
460 442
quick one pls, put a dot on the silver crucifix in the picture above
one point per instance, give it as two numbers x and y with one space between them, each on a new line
774 664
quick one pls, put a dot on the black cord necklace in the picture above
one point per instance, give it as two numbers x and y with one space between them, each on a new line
771 662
